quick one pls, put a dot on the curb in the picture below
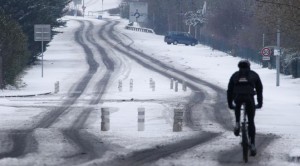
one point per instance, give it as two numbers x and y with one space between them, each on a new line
31 95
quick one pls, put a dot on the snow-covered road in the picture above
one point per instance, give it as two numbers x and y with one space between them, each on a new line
73 136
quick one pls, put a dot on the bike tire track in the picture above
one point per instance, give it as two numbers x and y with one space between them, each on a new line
153 154
234 156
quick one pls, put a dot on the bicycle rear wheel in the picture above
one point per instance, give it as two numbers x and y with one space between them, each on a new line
245 143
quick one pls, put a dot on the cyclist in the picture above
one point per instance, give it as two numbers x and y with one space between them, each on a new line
242 87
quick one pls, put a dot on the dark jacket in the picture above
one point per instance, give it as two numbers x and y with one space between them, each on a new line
254 80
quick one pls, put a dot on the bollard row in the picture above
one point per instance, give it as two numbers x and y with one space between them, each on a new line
151 85
175 87
177 123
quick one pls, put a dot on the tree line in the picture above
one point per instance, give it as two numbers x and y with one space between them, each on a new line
17 46
234 26
240 27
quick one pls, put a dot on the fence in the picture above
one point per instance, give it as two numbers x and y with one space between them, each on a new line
139 29
251 54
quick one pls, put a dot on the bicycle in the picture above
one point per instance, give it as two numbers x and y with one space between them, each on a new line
245 137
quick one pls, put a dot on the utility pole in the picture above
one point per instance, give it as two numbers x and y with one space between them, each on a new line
102 6
263 42
278 57
1 71
178 23
83 8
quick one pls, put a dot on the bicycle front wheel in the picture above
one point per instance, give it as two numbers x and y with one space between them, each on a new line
245 143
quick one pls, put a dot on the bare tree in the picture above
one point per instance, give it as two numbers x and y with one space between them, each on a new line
283 14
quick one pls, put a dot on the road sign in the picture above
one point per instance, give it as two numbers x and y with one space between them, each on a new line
266 58
266 51
138 11
276 52
42 32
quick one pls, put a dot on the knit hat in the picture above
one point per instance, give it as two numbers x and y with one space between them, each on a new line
244 64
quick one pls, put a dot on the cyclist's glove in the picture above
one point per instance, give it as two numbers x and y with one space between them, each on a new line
257 106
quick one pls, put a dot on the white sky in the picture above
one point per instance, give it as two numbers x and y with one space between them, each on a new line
64 57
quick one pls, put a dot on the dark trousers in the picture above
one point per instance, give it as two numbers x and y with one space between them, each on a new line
250 111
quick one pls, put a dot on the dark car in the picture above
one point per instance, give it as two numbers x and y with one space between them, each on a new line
180 38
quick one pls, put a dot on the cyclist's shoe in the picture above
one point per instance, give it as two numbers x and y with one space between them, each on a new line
252 150
236 130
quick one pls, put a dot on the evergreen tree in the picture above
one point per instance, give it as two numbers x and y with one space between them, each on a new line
17 32
13 50
30 12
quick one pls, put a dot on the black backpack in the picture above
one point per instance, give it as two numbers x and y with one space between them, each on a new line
243 85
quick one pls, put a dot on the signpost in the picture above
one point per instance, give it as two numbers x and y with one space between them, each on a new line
76 3
83 10
42 32
102 6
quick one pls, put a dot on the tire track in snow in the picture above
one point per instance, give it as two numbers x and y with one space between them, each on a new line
91 146
172 148
21 138
217 111
153 154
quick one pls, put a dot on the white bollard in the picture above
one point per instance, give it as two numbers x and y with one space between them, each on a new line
56 87
105 122
172 83
176 86
151 82
141 119
153 86
184 85
131 85
178 120
120 86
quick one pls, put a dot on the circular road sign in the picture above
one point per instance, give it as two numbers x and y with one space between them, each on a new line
266 51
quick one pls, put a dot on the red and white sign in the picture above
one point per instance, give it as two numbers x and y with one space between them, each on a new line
265 51
266 54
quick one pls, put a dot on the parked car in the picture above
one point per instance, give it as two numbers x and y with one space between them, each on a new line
99 17
180 38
